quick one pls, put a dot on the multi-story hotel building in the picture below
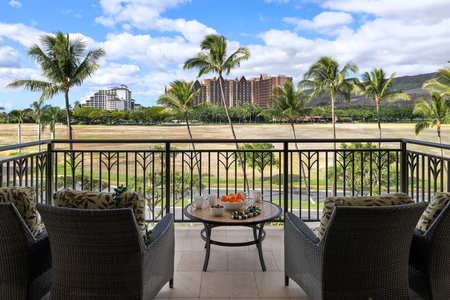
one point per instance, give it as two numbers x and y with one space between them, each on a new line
109 98
238 91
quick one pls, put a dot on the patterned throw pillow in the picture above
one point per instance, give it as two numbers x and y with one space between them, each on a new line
433 210
382 200
102 200
23 199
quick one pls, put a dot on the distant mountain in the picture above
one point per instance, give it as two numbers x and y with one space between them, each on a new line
412 85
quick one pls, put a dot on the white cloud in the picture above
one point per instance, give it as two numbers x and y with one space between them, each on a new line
25 35
67 11
146 15
9 74
277 1
9 57
78 16
431 11
15 4
324 20
33 22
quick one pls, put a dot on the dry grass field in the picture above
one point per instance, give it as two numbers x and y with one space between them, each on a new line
8 133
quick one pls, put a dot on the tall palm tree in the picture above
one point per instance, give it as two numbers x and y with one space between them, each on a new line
437 110
213 59
63 65
291 104
326 76
50 117
440 82
180 100
36 111
377 87
21 115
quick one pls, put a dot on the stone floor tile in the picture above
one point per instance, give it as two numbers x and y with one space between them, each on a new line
298 298
185 284
228 284
193 261
210 298
189 244
162 298
271 284
270 243
274 230
181 231
279 259
177 259
258 298
249 261
229 239
216 232
239 231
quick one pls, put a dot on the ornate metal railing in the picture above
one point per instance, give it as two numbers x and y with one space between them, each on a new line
169 173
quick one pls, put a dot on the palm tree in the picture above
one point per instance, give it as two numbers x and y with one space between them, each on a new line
50 116
21 115
213 59
36 111
326 76
437 110
440 82
180 100
291 104
377 87
63 65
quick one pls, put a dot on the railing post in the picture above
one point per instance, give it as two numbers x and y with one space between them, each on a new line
404 169
285 178
49 175
447 188
167 177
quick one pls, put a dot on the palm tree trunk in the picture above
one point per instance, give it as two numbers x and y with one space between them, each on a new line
193 147
66 94
300 162
234 134
39 136
378 121
19 136
333 188
438 128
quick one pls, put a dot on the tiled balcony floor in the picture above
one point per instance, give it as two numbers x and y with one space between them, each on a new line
233 273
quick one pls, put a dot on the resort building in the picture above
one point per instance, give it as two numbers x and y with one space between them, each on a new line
238 91
115 98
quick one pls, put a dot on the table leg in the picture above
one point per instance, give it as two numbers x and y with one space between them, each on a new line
207 246
255 236
259 246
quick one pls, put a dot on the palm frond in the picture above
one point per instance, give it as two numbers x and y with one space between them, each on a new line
29 85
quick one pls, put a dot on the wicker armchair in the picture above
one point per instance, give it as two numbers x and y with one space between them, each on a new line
362 254
25 259
429 261
100 254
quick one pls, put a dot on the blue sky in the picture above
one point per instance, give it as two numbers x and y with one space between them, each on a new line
147 41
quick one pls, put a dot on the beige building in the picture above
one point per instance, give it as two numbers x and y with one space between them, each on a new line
238 91
109 98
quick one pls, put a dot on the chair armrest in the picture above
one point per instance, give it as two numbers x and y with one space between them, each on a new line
160 229
42 236
302 228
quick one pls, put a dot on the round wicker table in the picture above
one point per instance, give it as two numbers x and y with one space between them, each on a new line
269 211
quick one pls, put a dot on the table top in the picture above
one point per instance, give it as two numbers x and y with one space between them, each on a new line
269 211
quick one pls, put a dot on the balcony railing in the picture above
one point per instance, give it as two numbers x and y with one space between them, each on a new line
167 171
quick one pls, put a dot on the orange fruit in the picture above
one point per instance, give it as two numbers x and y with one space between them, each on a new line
232 198
229 195
224 198
239 200
239 196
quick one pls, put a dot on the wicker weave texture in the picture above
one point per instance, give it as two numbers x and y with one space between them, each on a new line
363 253
25 261
100 254
429 260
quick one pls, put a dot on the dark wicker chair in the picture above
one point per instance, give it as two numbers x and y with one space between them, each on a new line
362 255
100 254
429 260
25 260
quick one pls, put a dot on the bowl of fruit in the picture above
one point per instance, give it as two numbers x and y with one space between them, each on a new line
232 202
217 210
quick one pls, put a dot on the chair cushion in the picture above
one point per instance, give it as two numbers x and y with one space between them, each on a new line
23 199
382 200
433 210
102 200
